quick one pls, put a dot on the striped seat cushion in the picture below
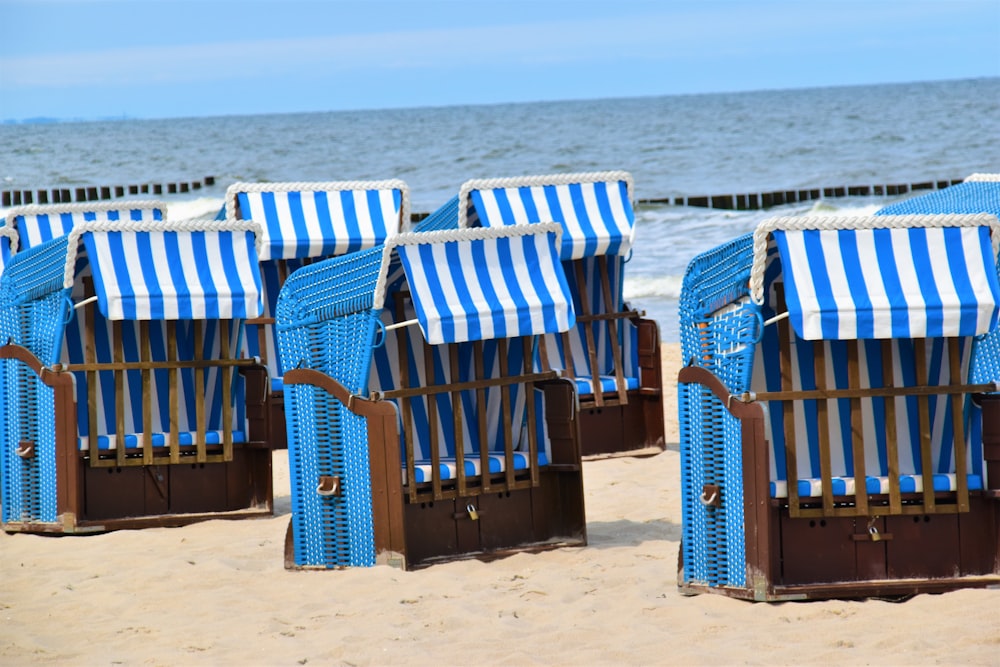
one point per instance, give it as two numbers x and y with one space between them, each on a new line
135 440
448 467
585 386
845 486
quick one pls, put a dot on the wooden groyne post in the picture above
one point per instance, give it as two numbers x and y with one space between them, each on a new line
95 193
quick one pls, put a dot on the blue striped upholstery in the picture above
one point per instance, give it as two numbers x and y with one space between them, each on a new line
595 211
333 316
37 311
847 283
871 284
8 244
303 222
480 286
172 275
39 223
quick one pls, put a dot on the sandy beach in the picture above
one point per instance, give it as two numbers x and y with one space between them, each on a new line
216 593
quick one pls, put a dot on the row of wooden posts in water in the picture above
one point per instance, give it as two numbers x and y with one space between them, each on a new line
737 202
97 193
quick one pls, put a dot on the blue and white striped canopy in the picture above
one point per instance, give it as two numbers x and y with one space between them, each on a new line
890 279
39 223
595 210
480 284
980 193
172 272
8 244
320 219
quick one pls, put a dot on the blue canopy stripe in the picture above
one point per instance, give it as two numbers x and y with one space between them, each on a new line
483 284
39 223
320 219
889 277
187 270
594 209
8 244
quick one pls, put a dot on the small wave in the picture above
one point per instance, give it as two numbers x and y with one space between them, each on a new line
640 287
194 208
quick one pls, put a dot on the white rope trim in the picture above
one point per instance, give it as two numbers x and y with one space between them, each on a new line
530 181
81 207
333 186
826 223
203 224
12 236
982 178
445 235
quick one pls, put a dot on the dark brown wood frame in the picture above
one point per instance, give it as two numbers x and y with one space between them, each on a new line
837 556
125 489
485 517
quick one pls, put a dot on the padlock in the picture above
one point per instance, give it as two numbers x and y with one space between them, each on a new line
473 512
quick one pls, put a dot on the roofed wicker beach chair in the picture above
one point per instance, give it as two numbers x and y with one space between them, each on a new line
418 430
839 410
124 397
304 222
38 223
613 354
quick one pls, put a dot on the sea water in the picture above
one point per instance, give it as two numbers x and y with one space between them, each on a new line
673 146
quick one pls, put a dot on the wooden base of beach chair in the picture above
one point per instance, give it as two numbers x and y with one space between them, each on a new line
484 525
97 498
902 546
636 427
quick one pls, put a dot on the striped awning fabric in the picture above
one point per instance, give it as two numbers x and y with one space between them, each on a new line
595 210
890 277
39 223
174 271
479 284
320 219
8 244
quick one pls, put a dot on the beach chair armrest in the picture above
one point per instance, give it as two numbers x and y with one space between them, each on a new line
359 405
737 408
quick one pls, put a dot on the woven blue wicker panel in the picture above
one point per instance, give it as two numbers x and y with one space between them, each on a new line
719 327
325 321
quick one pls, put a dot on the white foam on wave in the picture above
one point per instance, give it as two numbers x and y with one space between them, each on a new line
644 287
194 208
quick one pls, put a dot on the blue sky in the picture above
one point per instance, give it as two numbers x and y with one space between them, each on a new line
160 58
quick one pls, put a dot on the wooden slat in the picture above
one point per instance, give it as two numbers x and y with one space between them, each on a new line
891 436
471 384
174 388
145 354
457 421
791 458
505 407
532 417
823 418
405 408
958 428
616 351
924 417
158 365
117 348
484 462
90 355
595 379
857 429
432 422
199 394
226 378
